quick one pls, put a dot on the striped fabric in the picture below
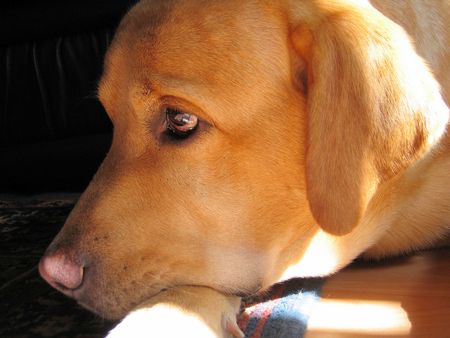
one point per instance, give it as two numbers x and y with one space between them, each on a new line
282 313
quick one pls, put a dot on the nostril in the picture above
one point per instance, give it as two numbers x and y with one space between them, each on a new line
61 272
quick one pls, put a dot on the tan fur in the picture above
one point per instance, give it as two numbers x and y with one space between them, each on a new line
322 137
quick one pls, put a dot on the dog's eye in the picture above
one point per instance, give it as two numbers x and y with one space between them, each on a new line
180 123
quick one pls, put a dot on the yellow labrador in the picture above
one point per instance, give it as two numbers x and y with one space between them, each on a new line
255 141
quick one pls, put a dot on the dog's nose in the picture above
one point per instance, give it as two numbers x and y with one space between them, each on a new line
61 272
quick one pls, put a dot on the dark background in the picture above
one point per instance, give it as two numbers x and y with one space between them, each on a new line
54 133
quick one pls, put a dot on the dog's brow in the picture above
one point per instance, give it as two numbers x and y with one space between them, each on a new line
172 85
147 85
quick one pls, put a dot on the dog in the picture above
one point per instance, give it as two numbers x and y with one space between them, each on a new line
256 141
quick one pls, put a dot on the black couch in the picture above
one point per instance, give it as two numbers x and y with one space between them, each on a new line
54 133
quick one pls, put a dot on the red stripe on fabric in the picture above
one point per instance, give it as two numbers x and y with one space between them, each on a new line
262 310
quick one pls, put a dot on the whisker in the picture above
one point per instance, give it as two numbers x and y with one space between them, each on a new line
90 95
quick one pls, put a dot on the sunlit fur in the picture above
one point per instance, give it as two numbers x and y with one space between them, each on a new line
322 136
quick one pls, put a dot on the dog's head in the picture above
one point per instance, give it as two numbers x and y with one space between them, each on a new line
242 131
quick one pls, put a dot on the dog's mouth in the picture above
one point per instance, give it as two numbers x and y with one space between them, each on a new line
113 302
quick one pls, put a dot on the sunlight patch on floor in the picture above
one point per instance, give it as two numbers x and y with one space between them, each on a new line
359 317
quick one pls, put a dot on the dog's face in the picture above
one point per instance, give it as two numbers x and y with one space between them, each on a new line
172 206
207 180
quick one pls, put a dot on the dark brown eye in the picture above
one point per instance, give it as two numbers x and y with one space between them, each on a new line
180 123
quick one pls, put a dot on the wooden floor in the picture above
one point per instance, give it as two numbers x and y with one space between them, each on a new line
405 297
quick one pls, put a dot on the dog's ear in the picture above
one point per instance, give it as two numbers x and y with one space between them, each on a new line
372 108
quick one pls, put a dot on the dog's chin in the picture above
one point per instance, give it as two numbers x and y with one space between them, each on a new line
241 291
111 313
115 307
115 312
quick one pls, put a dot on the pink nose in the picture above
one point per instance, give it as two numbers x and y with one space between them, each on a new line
61 272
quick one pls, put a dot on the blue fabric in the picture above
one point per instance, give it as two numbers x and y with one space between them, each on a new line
284 312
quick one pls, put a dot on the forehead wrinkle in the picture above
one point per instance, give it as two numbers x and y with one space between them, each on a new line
194 93
168 85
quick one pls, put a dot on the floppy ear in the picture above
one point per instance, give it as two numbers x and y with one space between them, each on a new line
372 108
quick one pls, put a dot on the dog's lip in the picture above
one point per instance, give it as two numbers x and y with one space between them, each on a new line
114 311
